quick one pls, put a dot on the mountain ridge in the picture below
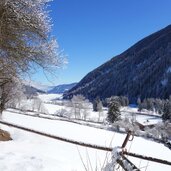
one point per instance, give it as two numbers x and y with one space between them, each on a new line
34 88
141 62
61 88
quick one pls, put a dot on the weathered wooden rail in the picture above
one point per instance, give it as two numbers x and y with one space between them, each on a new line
147 158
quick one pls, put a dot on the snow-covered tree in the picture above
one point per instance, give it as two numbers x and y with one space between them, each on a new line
24 35
159 105
148 104
80 105
139 104
124 101
100 109
10 92
85 109
63 113
113 111
77 105
98 106
38 105
95 104
167 111
25 42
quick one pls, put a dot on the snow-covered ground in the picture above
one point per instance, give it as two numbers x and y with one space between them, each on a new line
143 117
49 97
31 152
55 108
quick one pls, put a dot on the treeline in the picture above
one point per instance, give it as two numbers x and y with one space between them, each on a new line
122 101
113 103
159 106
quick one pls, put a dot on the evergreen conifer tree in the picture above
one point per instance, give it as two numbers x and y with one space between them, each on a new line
167 111
139 104
113 111
97 104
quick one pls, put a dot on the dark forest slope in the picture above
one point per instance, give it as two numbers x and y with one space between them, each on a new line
144 70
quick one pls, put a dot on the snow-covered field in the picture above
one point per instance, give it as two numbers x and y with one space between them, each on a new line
31 152
49 97
144 117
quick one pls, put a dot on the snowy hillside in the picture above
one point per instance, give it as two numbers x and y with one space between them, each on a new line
148 64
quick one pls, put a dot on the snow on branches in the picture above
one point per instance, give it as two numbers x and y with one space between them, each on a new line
25 39
118 158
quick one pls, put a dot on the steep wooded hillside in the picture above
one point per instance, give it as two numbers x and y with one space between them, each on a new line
144 70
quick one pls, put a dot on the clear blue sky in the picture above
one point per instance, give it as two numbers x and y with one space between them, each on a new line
93 31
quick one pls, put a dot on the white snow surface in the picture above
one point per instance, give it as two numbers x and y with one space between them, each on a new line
144 117
49 97
31 152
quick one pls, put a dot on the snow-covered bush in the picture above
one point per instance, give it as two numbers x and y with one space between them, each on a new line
38 105
160 131
80 106
63 113
126 124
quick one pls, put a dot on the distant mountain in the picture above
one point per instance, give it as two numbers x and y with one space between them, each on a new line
38 86
33 88
144 70
61 88
31 91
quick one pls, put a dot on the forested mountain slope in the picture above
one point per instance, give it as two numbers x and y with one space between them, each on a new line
144 70
61 88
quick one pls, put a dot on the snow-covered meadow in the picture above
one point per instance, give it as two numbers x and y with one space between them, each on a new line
32 152
144 117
